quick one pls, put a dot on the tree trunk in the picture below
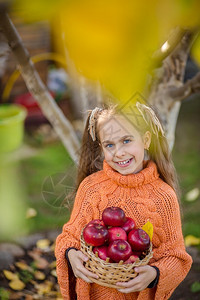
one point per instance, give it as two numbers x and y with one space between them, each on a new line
168 79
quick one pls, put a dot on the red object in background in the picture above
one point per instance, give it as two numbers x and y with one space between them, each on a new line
35 114
29 102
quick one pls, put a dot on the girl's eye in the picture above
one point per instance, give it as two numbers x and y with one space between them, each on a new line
109 145
127 141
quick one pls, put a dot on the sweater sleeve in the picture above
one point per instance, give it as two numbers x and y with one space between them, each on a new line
170 255
82 213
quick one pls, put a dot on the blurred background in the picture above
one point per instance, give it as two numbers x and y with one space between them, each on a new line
84 52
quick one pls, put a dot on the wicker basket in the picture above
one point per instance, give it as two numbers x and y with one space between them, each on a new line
111 273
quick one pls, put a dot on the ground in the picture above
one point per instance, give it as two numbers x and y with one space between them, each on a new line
38 270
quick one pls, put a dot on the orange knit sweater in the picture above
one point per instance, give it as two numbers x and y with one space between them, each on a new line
143 196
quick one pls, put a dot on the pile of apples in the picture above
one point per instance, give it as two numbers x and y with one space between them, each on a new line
115 238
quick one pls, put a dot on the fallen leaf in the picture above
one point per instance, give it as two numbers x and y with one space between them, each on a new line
148 228
16 295
33 282
10 275
52 248
43 244
192 195
191 240
17 285
31 213
40 262
53 272
39 275
52 265
35 253
23 266
44 288
29 297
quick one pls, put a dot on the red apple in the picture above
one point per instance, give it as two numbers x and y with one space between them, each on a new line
96 221
138 253
116 233
119 250
102 251
139 240
95 234
113 216
131 259
129 224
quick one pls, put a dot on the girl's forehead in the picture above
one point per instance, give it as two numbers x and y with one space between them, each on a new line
116 127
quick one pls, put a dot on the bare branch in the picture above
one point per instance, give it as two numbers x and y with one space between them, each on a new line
168 47
190 87
36 87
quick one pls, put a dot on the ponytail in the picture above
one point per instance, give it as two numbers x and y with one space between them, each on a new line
159 152
90 160
159 149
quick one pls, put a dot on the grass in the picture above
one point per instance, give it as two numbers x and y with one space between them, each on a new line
49 165
187 161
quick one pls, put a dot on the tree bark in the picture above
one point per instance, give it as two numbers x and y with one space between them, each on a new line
191 86
52 112
167 81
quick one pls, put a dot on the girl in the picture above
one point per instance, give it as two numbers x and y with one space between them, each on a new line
125 162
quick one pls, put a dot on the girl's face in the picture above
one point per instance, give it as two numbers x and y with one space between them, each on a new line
122 145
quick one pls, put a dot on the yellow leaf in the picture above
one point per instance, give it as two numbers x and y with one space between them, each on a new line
23 266
44 288
52 265
17 285
53 272
43 244
148 228
52 248
192 195
191 240
10 275
30 213
39 275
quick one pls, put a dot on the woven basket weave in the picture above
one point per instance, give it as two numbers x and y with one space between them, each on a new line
111 273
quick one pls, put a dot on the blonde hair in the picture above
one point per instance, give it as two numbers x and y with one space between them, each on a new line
91 153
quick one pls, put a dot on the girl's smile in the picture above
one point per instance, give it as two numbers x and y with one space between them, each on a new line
124 163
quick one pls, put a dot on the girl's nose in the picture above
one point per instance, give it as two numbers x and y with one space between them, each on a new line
119 151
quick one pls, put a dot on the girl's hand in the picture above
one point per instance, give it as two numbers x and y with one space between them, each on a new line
146 274
76 259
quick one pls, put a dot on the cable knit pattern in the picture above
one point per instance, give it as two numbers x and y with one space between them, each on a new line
143 196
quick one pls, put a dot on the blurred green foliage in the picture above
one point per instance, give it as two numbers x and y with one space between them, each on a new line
187 162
